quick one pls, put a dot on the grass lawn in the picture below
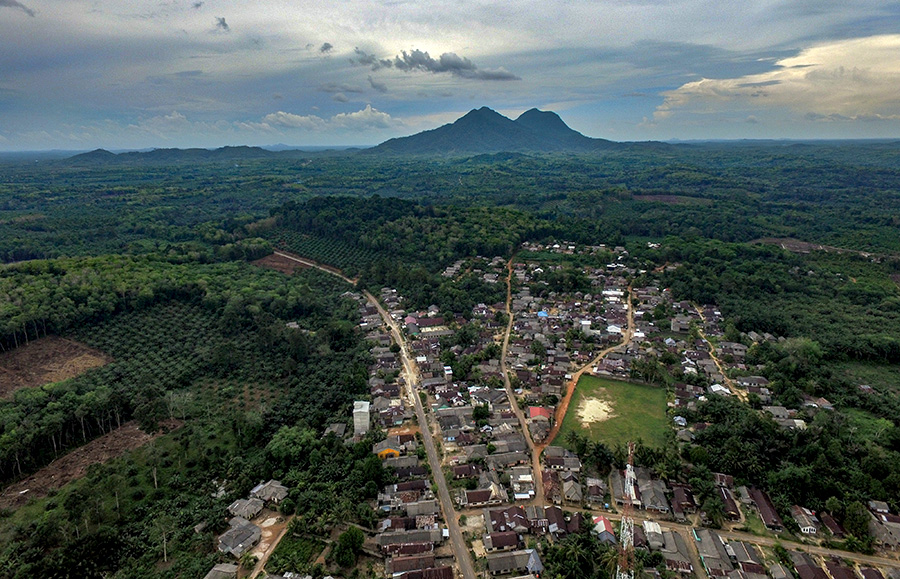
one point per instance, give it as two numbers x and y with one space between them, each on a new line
635 411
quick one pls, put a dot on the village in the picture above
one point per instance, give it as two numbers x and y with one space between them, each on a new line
491 384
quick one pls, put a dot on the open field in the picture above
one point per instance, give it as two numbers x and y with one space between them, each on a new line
280 263
50 359
616 412
74 465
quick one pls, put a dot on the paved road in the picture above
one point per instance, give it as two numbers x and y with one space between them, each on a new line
460 549
534 449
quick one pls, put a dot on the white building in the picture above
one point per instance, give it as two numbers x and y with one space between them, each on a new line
360 418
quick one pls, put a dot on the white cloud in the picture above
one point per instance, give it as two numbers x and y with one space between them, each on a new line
292 121
368 118
849 79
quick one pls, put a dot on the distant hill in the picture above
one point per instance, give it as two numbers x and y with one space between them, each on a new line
487 131
183 156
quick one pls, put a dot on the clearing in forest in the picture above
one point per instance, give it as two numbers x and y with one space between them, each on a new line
613 412
280 263
74 465
50 359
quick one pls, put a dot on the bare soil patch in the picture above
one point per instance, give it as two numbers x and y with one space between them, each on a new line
50 359
74 465
594 410
280 263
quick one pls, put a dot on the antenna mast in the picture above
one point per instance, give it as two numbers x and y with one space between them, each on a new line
625 568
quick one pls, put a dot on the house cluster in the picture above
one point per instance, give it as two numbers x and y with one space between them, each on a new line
732 559
506 530
242 535
494 455
884 526
563 481
410 535
554 333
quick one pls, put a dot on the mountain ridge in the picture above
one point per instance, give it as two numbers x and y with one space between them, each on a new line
484 130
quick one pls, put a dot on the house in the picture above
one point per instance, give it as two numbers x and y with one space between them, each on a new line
433 536
360 418
397 565
222 571
766 510
246 508
730 508
713 554
806 567
805 519
526 560
240 537
479 498
838 571
653 535
675 553
572 491
596 490
556 521
387 448
835 528
270 492
511 519
504 541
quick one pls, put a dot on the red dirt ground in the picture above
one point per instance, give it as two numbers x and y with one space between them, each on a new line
279 263
50 359
74 465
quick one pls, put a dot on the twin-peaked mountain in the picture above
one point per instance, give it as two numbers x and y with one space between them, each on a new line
479 131
486 131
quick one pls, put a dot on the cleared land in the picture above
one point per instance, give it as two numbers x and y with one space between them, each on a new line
74 465
50 359
280 263
616 412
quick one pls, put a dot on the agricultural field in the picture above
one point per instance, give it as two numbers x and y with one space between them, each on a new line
615 412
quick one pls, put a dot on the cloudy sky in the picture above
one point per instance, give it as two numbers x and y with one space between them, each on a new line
81 74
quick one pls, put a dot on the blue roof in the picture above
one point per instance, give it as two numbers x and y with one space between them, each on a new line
543 314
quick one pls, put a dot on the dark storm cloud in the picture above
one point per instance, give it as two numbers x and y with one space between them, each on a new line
448 62
378 86
326 47
333 87
365 59
221 24
197 5
19 5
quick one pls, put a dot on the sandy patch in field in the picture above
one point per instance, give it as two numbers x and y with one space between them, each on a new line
593 410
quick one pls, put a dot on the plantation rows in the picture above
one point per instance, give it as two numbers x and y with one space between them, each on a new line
159 349
345 256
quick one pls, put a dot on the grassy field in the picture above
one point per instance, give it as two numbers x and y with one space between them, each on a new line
633 411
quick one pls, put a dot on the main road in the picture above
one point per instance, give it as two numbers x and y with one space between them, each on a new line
460 549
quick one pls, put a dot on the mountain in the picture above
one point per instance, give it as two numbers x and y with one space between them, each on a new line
182 156
486 131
